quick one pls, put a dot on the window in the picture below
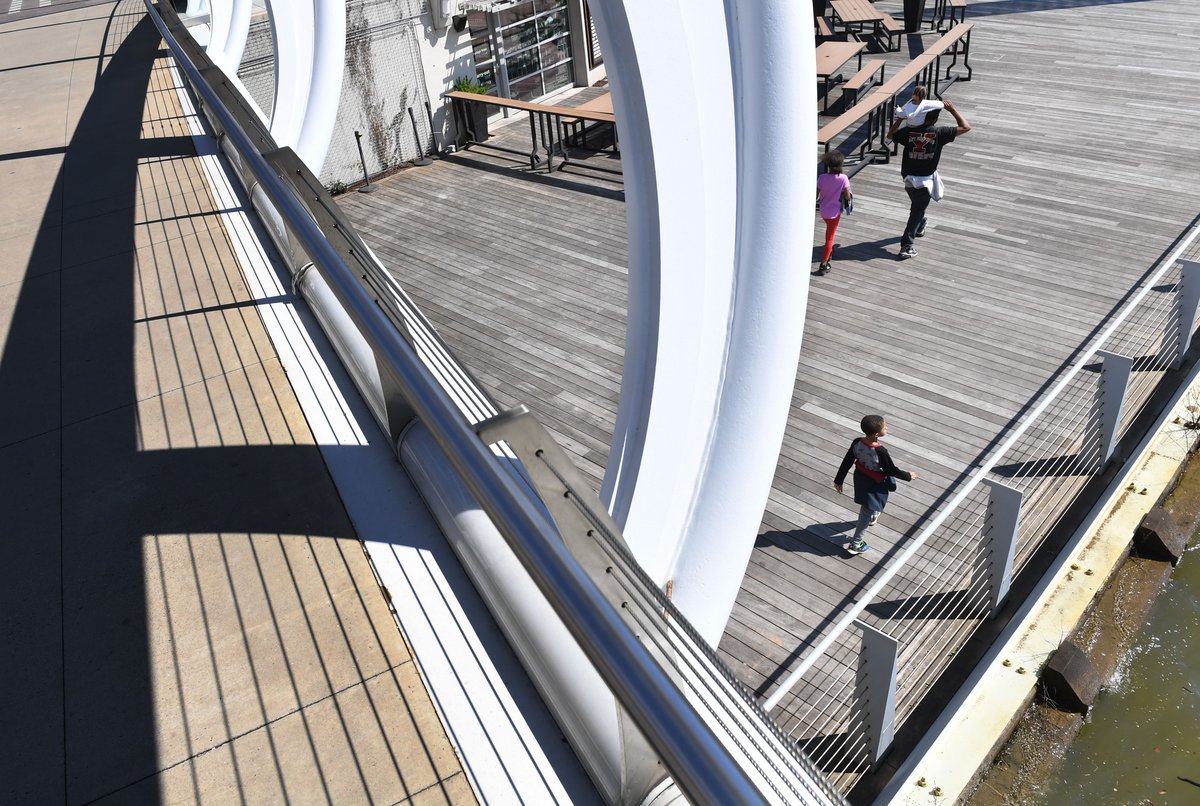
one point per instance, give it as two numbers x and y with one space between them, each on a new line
523 50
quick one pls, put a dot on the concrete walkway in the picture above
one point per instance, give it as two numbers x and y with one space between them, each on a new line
186 614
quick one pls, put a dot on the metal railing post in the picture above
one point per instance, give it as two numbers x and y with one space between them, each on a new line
875 691
1000 534
1189 302
1110 400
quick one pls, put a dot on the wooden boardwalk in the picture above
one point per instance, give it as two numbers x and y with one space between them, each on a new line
1081 172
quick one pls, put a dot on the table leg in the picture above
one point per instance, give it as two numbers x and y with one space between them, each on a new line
561 128
547 140
533 143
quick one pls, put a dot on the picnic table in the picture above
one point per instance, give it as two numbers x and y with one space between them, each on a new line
830 58
856 12
856 16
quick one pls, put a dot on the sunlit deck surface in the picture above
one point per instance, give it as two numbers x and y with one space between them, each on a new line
1080 174
187 614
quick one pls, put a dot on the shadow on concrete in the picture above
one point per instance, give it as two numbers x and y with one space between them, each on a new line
88 504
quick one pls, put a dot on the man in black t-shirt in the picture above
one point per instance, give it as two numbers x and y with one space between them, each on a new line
922 150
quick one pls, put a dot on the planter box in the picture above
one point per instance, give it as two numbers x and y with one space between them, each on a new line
476 122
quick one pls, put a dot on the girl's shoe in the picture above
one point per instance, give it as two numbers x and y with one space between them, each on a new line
823 269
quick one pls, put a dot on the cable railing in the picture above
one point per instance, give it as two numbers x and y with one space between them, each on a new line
704 726
723 700
867 673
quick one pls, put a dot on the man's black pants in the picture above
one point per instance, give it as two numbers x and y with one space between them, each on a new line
918 204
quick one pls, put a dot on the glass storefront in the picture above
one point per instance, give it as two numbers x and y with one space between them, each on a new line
523 50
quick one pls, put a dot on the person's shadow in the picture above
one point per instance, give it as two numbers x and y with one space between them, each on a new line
819 539
861 251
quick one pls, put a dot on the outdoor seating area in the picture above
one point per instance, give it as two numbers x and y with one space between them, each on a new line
862 111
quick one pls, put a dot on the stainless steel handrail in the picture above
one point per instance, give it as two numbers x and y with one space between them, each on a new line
700 764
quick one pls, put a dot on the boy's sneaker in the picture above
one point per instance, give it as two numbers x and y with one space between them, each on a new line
920 233
907 252
857 546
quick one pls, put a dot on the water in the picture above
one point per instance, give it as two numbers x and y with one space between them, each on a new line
1141 742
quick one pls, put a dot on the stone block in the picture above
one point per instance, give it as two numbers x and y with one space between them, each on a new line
1069 680
1158 537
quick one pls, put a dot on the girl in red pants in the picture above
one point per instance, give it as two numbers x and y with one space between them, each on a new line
833 191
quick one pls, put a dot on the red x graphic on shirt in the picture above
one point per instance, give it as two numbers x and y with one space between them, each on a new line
922 142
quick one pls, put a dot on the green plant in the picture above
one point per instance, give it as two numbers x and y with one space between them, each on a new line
338 186
468 84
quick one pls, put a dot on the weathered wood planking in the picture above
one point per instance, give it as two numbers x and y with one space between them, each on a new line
1080 173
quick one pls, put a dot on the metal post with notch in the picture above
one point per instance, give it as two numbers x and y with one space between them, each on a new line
1110 399
367 187
421 160
1189 301
876 688
1001 527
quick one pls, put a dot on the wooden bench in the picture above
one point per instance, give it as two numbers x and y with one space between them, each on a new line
578 125
823 31
863 79
927 67
877 108
890 28
953 13
542 117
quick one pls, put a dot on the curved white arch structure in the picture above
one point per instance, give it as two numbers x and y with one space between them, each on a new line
309 39
310 55
239 28
292 36
719 176
325 83
220 19
229 26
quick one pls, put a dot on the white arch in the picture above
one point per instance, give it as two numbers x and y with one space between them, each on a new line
229 24
719 175
220 14
239 28
309 37
292 37
325 87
